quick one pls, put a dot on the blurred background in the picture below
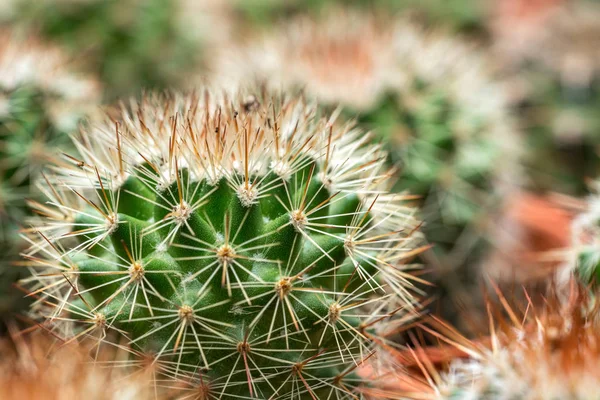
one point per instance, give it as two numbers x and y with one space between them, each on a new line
489 108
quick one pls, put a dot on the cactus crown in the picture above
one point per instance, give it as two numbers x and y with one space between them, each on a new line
248 246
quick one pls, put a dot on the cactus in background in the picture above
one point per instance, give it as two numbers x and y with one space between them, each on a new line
449 126
336 65
246 246
41 101
551 53
550 351
130 44
434 103
464 15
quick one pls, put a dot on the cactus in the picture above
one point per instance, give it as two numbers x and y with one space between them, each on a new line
41 100
453 135
33 367
555 71
584 260
550 351
245 245
131 44
434 103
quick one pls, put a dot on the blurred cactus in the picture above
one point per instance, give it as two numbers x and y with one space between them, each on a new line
34 367
453 137
549 352
552 53
585 246
433 101
448 126
41 101
130 44
244 245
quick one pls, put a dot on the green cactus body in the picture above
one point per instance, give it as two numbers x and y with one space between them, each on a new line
248 246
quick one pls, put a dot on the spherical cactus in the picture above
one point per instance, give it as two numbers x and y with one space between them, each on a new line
435 105
42 100
243 243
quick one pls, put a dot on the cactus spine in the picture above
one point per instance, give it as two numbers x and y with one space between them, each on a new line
246 245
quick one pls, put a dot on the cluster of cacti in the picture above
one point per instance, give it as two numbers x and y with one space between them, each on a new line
244 244
131 44
555 68
252 239
433 102
41 101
